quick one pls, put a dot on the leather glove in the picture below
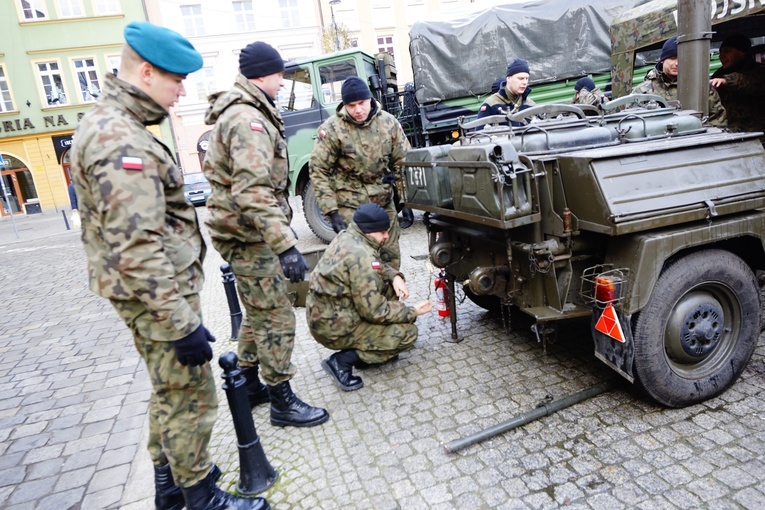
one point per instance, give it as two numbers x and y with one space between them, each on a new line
293 265
407 217
389 179
337 222
194 349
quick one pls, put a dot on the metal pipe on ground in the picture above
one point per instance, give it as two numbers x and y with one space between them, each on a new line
524 418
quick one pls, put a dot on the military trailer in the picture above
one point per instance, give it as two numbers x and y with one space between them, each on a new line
451 78
634 215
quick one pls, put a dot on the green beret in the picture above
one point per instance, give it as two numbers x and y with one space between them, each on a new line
163 48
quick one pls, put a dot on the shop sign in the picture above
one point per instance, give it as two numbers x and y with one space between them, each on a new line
26 124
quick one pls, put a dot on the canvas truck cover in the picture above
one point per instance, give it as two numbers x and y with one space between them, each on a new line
655 22
560 39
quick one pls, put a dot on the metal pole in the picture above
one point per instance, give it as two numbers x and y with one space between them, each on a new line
255 472
334 23
694 32
66 222
7 199
524 418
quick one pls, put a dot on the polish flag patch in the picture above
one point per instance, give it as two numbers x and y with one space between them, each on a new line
132 163
322 134
256 126
483 108
376 266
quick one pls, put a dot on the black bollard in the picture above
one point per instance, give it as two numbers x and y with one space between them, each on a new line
229 283
255 472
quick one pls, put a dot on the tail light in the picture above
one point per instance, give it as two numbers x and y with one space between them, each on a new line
605 289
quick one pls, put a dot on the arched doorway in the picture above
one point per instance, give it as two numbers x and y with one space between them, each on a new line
18 192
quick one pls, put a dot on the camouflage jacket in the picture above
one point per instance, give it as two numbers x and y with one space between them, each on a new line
349 159
590 97
743 96
348 283
657 83
246 164
140 235
505 103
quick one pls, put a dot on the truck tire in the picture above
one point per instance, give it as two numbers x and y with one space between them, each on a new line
318 223
699 329
490 303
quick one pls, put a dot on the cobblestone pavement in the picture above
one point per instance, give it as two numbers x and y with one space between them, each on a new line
73 396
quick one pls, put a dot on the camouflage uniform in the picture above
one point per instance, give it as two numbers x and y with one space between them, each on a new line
505 102
656 82
348 163
249 223
351 303
590 97
145 254
743 96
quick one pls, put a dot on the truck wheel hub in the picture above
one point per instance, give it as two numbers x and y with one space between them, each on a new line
695 328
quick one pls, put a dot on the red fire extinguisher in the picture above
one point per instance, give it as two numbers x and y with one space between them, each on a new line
442 305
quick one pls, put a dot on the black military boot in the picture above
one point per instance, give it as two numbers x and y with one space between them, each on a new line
340 367
167 495
207 496
257 392
287 409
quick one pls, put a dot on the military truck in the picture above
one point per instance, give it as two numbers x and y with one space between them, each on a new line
634 215
451 78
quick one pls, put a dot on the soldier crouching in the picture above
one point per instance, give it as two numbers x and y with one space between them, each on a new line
353 302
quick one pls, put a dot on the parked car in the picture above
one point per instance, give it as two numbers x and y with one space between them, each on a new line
196 188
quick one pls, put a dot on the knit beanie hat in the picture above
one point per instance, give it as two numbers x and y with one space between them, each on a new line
517 66
739 42
669 50
585 83
260 59
354 89
371 218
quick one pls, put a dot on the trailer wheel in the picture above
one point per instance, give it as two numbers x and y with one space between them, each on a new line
698 330
318 223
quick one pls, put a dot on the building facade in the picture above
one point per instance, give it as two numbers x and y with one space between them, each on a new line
53 59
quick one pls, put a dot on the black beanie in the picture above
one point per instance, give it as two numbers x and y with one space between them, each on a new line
371 218
260 59
517 66
354 89
584 83
669 50
739 42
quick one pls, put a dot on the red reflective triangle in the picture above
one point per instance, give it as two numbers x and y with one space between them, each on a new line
608 324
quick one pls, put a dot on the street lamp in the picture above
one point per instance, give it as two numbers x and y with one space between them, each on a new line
334 23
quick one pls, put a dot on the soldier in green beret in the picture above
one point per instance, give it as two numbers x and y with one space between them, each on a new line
246 164
145 254
353 303
357 159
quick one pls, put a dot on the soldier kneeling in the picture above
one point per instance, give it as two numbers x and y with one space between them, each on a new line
353 302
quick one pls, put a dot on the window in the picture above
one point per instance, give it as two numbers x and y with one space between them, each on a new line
114 63
385 43
192 20
290 13
53 86
204 82
245 17
332 76
87 79
70 8
105 7
297 93
33 9
6 103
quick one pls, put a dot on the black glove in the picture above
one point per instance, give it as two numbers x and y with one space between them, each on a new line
293 265
194 349
337 222
389 179
407 217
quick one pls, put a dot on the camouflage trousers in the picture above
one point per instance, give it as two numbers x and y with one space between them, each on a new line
183 406
390 252
267 336
375 343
